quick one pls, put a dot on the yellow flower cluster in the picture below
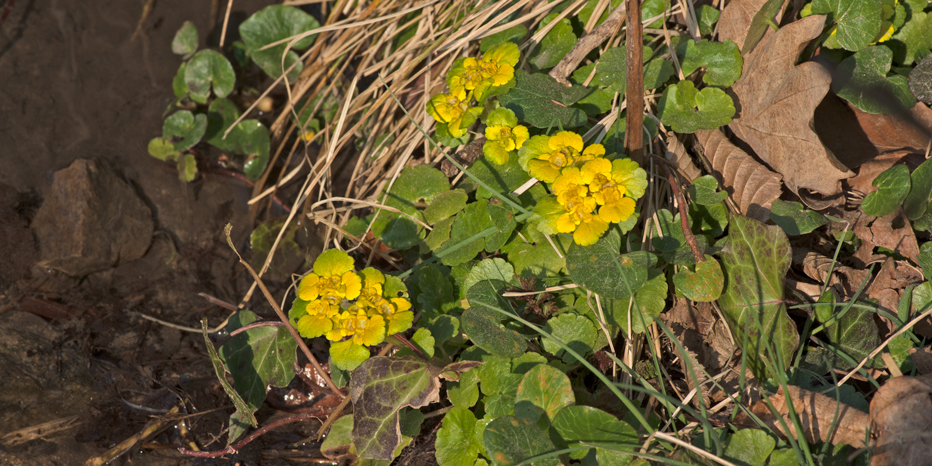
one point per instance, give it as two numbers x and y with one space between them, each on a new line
348 307
472 78
591 191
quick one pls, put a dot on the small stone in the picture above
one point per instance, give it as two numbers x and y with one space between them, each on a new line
91 220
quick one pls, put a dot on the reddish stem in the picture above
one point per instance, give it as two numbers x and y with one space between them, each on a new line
684 222
232 449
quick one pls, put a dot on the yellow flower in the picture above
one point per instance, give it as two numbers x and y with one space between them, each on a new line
589 153
503 135
495 68
628 173
332 279
397 313
564 147
580 220
319 319
364 328
372 284
454 111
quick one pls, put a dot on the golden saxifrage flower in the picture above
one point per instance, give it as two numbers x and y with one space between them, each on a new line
503 135
354 310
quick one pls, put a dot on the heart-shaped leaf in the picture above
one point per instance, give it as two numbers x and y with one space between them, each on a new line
892 188
184 129
482 323
688 110
705 284
209 69
272 24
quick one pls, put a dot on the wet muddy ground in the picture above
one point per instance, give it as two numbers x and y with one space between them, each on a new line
75 352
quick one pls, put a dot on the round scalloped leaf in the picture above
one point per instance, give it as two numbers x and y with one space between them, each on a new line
722 61
750 446
555 45
794 219
184 129
688 110
915 37
704 191
456 443
474 219
544 389
857 21
187 167
272 24
584 424
489 269
254 143
601 269
862 80
446 205
179 88
574 331
348 355
209 69
221 114
482 323
465 392
513 34
650 301
163 149
705 284
707 16
185 41
892 188
420 184
543 103
510 440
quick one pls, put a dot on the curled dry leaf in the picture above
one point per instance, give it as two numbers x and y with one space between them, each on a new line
891 231
751 185
901 412
676 153
777 100
822 418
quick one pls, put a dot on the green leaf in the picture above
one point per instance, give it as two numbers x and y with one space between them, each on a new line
707 16
221 114
687 110
722 61
288 257
708 219
187 167
538 259
435 292
586 425
857 21
271 24
209 69
439 235
574 331
179 88
465 392
586 12
601 269
502 178
750 447
490 269
446 205
380 387
456 443
555 45
794 219
347 355
163 149
482 323
856 334
920 80
649 301
477 217
254 143
185 41
423 340
241 407
543 390
704 191
513 34
920 187
184 129
755 259
862 80
542 102
415 187
339 439
916 37
705 284
672 246
510 440
892 188
258 358
760 23
611 71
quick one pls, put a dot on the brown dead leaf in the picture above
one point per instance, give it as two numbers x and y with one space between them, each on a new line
777 99
822 418
922 359
817 266
901 413
676 154
736 19
862 183
891 231
856 136
751 185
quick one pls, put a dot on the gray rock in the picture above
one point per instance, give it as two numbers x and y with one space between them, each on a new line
91 220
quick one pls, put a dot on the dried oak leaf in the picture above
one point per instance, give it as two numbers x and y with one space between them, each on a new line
901 412
738 20
777 99
822 418
891 231
751 185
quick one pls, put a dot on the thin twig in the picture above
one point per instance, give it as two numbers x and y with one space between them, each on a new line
232 449
634 93
586 44
684 222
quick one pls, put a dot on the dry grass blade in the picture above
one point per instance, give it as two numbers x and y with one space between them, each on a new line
751 185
